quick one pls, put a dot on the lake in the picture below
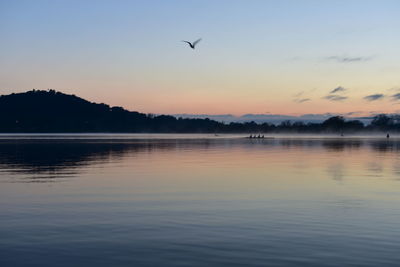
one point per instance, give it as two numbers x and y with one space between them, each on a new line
199 200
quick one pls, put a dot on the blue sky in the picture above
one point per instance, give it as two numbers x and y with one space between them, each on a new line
255 56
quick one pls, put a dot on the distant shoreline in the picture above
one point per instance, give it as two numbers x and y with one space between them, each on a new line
40 111
268 136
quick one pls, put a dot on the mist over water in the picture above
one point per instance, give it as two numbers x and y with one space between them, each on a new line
199 200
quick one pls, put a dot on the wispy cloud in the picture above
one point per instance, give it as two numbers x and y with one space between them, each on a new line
373 97
299 94
375 112
302 100
396 96
335 97
302 96
343 59
338 89
395 89
296 58
351 113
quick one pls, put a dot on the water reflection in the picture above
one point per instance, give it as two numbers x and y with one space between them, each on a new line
375 168
48 160
336 171
204 201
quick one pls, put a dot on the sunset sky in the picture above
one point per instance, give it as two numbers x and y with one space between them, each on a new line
275 57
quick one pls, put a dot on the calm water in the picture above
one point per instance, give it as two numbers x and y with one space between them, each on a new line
193 200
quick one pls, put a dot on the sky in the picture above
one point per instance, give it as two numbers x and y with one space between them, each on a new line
260 57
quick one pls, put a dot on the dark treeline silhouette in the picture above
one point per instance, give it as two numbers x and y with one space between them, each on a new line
39 111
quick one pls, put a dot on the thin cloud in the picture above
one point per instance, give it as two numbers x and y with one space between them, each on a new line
335 97
302 100
338 89
353 113
299 94
396 96
342 59
396 89
302 96
373 97
295 58
375 112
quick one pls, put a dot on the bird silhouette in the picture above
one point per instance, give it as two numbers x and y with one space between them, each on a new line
193 45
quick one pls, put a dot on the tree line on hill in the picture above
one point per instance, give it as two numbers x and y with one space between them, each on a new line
40 111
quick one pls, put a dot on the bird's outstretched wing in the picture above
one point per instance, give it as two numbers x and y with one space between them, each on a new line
196 42
189 43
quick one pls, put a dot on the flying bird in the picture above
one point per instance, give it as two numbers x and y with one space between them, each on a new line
192 45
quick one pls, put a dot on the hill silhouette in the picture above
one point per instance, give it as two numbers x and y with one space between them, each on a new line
52 111
40 111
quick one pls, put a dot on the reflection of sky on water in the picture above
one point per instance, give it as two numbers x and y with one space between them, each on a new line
336 171
285 201
51 159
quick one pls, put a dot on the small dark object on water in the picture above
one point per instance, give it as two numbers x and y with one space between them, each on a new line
257 137
387 136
